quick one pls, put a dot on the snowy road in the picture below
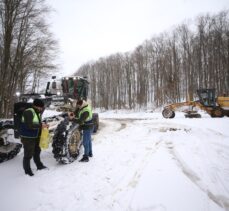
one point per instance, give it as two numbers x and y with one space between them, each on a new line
141 162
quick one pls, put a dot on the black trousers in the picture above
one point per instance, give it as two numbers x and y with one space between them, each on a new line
31 150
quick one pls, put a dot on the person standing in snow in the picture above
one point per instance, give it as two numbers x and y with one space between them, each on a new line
30 132
83 116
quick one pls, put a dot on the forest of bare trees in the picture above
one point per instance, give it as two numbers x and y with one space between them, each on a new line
168 68
27 48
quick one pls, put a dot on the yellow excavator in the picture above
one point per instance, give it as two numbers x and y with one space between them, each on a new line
214 106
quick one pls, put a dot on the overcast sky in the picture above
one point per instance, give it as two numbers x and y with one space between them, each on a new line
90 29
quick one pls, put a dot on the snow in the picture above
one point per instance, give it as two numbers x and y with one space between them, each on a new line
141 162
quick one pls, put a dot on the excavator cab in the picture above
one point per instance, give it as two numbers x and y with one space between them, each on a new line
207 97
75 87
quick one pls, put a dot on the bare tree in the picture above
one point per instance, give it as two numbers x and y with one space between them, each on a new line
26 47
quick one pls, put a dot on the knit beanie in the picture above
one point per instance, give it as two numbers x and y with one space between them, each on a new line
38 103
79 102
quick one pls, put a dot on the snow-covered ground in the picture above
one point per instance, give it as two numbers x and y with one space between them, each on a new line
141 162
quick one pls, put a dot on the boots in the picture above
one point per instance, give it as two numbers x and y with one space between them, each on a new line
38 162
26 166
41 167
84 159
30 173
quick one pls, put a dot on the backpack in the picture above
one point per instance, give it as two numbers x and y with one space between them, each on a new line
19 108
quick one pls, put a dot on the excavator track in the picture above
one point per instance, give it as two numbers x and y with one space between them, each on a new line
8 149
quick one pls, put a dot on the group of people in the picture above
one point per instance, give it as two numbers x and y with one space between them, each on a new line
31 127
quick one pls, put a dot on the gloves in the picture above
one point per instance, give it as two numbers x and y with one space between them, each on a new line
71 116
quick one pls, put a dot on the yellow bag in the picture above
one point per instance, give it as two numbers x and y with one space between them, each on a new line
44 140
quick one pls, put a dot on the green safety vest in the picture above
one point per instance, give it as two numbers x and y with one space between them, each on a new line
27 132
89 110
35 116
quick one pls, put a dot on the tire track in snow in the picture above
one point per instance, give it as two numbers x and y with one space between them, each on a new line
128 186
160 127
143 150
220 200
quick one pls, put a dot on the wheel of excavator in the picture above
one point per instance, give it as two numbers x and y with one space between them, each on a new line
217 112
173 115
74 142
168 113
66 142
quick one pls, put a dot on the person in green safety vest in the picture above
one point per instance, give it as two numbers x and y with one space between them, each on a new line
83 116
30 131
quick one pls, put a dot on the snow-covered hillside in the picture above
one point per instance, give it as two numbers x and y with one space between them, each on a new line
141 162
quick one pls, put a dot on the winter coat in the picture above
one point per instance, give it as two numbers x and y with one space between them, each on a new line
84 116
31 124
